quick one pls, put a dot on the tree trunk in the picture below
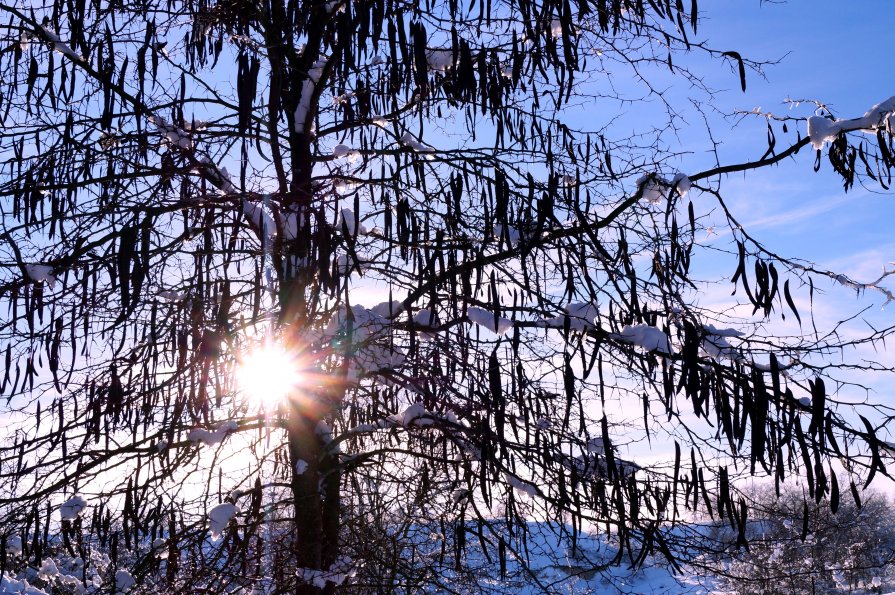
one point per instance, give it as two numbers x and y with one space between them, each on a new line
304 449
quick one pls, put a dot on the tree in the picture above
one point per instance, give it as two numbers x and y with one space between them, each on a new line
798 546
533 273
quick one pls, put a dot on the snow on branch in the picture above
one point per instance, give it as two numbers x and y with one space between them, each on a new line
495 324
340 571
212 437
655 188
581 317
219 517
60 46
645 336
846 281
41 273
307 93
822 130
72 508
174 136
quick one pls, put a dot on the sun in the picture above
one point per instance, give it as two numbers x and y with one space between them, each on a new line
268 374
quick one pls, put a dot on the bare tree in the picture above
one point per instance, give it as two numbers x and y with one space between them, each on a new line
190 182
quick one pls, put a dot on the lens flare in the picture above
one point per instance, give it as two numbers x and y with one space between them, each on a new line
268 374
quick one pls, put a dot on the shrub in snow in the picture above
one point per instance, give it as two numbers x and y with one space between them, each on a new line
849 551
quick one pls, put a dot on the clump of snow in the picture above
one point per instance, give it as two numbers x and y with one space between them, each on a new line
48 570
581 317
655 188
72 507
716 345
221 174
341 150
220 516
380 121
259 218
373 351
160 548
124 581
171 295
347 264
822 129
301 466
409 140
482 317
340 571
324 432
174 136
556 28
347 222
11 586
652 188
645 336
426 318
681 183
523 486
292 222
14 545
722 332
41 273
414 415
388 309
212 437
568 181
343 98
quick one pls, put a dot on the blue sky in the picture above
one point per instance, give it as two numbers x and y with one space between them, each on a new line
837 54
829 52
